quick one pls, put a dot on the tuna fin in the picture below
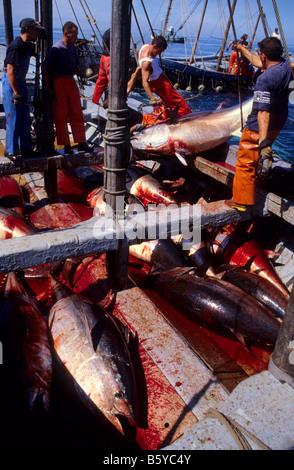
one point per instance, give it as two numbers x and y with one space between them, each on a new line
181 158
244 343
174 118
247 266
157 269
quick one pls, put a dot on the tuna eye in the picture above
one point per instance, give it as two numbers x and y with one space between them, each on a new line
119 395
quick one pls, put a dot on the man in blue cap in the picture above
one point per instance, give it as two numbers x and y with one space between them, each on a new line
14 89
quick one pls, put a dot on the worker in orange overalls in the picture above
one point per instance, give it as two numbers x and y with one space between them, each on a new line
156 82
267 118
59 68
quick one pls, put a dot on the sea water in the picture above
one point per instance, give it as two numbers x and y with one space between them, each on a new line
207 100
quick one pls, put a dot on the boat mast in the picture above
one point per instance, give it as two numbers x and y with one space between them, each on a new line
220 57
192 58
117 143
8 21
255 30
167 17
262 18
137 23
150 25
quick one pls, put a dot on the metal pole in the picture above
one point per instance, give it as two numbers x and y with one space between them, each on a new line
282 360
47 130
37 15
47 22
8 21
117 145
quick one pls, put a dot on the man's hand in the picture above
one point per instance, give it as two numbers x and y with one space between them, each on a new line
265 158
18 99
265 150
155 102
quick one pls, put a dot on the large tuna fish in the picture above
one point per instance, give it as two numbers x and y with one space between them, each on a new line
237 248
198 255
24 333
258 287
219 306
96 199
147 188
13 225
11 195
159 253
95 352
193 134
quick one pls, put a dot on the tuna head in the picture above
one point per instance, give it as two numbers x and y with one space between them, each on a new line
95 352
154 139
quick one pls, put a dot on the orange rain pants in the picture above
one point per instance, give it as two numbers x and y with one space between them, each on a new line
245 178
67 107
170 97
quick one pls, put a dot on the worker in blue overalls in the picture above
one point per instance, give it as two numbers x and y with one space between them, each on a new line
14 90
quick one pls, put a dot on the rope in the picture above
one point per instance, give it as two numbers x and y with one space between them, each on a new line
236 431
76 18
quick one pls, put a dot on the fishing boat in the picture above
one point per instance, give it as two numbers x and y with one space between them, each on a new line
191 378
172 37
192 72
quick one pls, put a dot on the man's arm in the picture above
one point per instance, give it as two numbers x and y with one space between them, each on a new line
253 58
12 79
132 82
146 66
263 118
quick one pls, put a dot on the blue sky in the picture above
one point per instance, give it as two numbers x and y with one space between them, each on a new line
245 16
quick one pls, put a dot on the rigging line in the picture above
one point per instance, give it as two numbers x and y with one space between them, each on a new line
56 5
189 13
282 32
222 22
150 25
238 62
95 23
182 6
137 23
77 21
87 18
154 22
80 29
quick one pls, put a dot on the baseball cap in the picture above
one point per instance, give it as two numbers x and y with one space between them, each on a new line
30 23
